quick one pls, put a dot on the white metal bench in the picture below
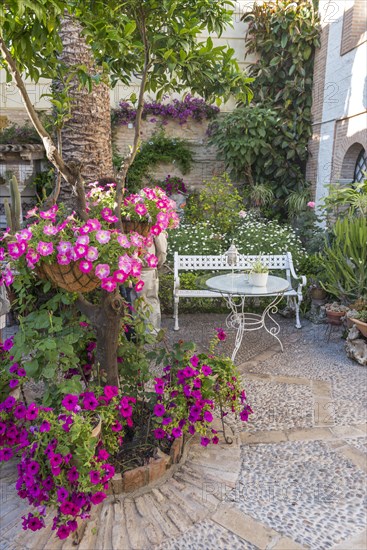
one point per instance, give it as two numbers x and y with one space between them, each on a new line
244 262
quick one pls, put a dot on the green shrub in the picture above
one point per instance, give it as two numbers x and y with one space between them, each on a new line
218 202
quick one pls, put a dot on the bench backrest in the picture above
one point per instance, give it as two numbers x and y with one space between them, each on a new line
244 261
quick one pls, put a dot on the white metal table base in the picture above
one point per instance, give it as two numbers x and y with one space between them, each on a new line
247 322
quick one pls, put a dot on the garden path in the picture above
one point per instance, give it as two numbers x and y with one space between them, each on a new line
293 478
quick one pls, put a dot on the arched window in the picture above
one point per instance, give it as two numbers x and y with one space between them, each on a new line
360 167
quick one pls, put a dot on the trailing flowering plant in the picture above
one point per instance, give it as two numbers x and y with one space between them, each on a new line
151 206
95 245
173 185
180 110
188 397
63 465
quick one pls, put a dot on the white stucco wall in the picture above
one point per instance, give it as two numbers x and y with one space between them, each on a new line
344 91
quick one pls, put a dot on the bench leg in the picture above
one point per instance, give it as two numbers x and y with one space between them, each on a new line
175 312
298 322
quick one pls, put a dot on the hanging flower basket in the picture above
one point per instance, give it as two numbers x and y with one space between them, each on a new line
140 227
69 277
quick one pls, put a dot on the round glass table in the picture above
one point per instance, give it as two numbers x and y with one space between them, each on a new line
235 288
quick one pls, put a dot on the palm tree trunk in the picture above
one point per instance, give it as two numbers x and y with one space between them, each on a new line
86 135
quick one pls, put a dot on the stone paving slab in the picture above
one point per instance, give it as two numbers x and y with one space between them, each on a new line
291 481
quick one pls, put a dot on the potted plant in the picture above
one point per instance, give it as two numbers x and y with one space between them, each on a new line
360 320
259 273
317 293
334 312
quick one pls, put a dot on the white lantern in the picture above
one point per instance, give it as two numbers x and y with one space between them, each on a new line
232 255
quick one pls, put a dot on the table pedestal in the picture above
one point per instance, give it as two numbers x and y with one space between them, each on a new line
246 322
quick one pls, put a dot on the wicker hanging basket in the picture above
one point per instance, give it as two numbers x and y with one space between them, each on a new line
140 227
69 277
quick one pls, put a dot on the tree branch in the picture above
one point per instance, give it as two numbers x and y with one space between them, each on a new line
88 309
53 155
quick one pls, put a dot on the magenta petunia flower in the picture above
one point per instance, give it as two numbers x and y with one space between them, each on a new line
98 497
110 391
85 266
33 468
8 277
156 230
90 402
221 335
20 411
69 402
73 474
24 235
206 370
45 427
215 440
125 263
208 417
159 409
204 441
177 432
108 284
116 427
6 454
62 494
102 271
194 360
139 286
103 236
13 383
49 214
63 532
32 412
119 276
45 249
103 454
94 477
92 254
166 421
159 433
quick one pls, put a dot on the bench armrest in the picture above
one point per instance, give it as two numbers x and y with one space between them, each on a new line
176 284
301 278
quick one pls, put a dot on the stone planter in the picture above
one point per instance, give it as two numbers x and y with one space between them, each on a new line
362 327
318 294
135 479
258 279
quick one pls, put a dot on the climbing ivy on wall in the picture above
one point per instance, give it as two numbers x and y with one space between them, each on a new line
284 34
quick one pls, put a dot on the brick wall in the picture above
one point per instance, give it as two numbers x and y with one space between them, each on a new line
354 26
205 163
318 88
349 139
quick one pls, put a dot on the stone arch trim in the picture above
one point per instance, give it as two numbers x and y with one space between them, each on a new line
349 161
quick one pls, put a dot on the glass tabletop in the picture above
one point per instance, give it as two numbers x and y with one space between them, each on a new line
238 283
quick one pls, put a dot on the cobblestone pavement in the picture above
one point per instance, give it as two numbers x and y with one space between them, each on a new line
293 478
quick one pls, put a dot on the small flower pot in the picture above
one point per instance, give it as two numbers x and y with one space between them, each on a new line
361 326
258 279
318 294
335 317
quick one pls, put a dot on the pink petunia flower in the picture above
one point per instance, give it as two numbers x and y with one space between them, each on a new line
139 286
156 230
80 251
24 235
136 267
63 259
311 204
108 284
151 260
85 266
82 239
103 236
50 230
123 240
94 224
119 276
92 254
16 250
64 247
45 249
141 209
8 277
102 271
125 262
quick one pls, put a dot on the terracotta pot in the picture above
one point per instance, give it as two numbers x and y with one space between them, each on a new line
69 277
361 326
335 317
